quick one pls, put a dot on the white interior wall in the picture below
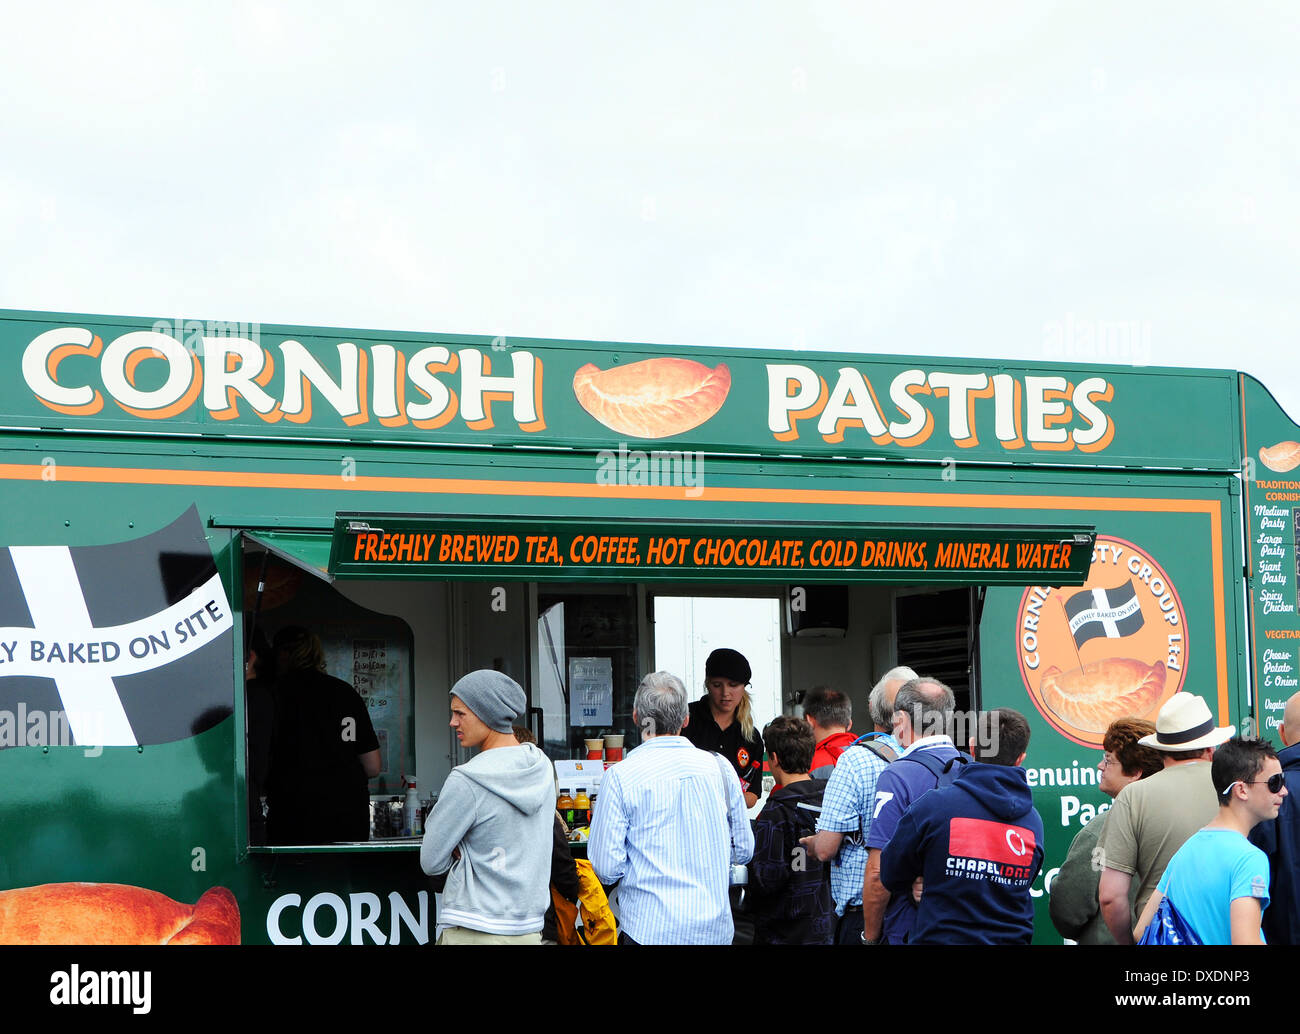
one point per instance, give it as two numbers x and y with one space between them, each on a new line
848 664
425 607
687 630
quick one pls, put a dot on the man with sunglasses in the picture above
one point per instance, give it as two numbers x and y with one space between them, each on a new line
1218 880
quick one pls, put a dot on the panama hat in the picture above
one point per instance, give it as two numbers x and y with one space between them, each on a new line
1185 723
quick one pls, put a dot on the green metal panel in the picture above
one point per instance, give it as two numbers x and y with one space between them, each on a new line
217 378
1272 502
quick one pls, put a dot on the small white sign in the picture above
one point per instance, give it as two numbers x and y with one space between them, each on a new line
591 691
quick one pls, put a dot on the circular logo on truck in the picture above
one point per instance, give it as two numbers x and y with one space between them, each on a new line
1115 647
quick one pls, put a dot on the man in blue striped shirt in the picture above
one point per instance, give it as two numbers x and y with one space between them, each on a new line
670 821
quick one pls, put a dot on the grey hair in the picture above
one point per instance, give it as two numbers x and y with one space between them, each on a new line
876 702
660 704
931 711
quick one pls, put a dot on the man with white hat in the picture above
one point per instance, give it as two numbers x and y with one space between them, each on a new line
1151 819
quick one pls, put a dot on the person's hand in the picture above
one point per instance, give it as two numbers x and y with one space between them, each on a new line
918 886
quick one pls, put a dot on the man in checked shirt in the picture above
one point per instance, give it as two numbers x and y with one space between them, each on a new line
847 807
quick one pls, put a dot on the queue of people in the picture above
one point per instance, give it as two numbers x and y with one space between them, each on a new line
895 837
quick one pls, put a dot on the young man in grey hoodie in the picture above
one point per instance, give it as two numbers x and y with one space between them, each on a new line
491 830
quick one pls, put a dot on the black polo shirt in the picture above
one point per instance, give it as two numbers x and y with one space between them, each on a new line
745 755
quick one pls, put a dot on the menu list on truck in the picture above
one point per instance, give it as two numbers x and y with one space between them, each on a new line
1273 547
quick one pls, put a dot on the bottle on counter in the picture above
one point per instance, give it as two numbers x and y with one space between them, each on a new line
582 807
411 824
565 807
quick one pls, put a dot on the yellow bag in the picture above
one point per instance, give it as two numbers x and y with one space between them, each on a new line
598 926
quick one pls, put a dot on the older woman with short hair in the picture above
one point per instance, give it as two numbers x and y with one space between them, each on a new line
1073 895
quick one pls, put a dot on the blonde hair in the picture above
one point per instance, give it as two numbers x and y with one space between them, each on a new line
745 716
744 712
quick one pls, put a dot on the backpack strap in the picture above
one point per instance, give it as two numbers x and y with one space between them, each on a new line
874 742
941 770
882 750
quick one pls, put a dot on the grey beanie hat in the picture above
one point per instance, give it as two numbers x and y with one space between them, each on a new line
496 699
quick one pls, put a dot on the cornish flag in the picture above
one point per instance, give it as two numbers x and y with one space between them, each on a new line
115 645
1110 613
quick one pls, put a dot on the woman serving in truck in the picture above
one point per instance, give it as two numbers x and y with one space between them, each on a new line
722 719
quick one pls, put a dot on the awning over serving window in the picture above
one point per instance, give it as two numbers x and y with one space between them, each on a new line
309 550
459 546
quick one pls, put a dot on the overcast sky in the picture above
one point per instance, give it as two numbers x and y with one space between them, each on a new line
959 179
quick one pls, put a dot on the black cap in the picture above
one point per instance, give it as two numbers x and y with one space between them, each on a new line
727 664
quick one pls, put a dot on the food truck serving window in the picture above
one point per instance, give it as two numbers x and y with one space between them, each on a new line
329 701
551 549
358 589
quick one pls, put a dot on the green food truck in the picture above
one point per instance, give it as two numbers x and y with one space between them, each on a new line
1076 541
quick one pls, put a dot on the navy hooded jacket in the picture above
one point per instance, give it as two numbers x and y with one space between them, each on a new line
978 844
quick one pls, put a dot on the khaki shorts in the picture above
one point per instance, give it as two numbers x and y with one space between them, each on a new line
460 935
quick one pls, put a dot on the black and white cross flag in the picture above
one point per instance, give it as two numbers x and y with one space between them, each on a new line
1112 613
117 645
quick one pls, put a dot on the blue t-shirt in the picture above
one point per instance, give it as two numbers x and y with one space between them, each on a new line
1208 873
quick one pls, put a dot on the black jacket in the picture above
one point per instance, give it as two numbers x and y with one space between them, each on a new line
789 889
564 877
1279 838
